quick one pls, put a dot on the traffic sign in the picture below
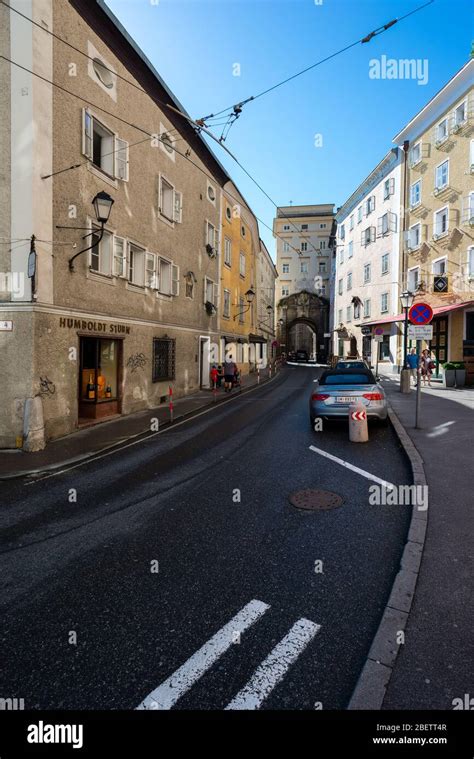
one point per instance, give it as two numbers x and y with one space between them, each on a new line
358 416
378 338
420 332
366 330
440 284
378 330
420 313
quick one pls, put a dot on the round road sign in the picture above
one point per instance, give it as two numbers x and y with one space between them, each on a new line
420 313
378 330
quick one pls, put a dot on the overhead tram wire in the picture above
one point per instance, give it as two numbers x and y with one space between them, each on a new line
367 38
144 131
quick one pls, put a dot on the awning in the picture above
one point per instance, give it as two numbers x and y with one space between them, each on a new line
454 307
256 338
437 311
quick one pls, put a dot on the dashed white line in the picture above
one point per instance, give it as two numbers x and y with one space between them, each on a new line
353 468
171 690
275 666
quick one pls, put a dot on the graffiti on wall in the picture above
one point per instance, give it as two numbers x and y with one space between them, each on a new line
47 388
136 362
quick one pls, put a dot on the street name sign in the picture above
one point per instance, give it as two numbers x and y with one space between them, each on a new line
6 326
378 338
420 332
420 313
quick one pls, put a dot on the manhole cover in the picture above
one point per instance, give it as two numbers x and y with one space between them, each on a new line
315 500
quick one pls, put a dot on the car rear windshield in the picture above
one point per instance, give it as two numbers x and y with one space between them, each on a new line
347 379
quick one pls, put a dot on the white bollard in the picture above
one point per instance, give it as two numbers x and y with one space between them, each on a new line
358 430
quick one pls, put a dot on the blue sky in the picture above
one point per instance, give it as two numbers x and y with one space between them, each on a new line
194 45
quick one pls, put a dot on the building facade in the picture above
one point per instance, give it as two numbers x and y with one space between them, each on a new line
302 248
101 319
366 277
267 275
437 262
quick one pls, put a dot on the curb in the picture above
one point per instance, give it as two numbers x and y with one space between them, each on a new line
373 681
144 435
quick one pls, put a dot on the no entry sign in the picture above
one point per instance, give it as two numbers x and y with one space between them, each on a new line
420 313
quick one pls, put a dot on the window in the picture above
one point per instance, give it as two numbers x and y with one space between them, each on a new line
304 267
304 227
151 279
369 205
285 290
385 263
415 194
442 175
470 262
211 194
366 308
120 259
368 236
242 231
103 148
322 244
386 223
241 310
384 303
168 277
322 226
286 227
415 154
388 188
227 252
441 222
340 286
341 255
342 232
136 265
166 200
304 247
439 266
350 250
413 279
286 247
242 264
359 214
460 114
339 316
322 267
348 314
211 237
441 131
210 291
286 268
366 274
471 156
227 303
349 280
164 359
322 290
414 236
351 222
103 73
100 257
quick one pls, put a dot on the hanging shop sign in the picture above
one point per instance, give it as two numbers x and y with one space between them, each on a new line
92 326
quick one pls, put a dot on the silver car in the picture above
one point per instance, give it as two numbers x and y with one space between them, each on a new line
337 389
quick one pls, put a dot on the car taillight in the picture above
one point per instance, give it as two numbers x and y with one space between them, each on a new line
319 396
373 396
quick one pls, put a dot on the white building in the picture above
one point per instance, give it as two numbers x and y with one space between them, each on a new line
366 287
302 242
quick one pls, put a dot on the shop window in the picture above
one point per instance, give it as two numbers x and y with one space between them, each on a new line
99 373
164 359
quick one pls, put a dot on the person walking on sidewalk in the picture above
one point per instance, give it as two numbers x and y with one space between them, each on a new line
427 366
412 361
214 376
229 371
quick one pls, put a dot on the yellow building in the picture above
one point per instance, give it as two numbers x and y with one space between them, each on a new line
239 246
437 261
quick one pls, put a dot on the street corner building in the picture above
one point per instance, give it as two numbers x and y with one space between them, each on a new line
113 226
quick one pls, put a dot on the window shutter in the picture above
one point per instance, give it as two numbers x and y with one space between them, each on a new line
215 294
391 186
372 234
380 226
362 238
87 134
178 207
174 280
392 222
120 257
121 159
159 193
205 290
150 270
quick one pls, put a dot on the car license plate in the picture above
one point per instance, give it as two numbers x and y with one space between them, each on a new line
344 399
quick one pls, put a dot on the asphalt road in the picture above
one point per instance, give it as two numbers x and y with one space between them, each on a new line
85 566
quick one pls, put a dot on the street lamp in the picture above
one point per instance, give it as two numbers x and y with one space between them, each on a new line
250 295
102 206
406 299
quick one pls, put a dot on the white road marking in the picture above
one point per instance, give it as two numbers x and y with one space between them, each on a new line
181 681
353 468
275 666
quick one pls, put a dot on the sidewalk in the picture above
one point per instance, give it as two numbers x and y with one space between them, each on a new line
434 665
95 438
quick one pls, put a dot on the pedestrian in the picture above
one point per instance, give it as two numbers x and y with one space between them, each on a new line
214 376
236 376
427 366
220 375
412 361
229 370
